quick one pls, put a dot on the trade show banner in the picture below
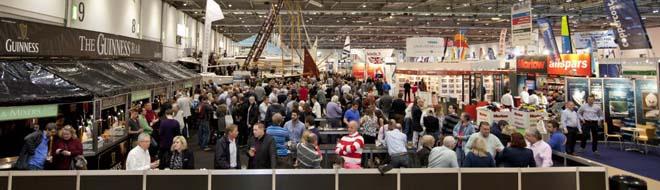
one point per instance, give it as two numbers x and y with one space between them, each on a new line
577 90
604 39
646 98
372 71
532 64
629 26
425 47
549 38
502 45
31 39
377 56
566 36
521 23
571 65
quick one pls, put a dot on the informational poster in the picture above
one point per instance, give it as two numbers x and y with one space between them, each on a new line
646 97
571 65
577 90
521 23
629 26
617 92
425 47
610 70
596 89
604 39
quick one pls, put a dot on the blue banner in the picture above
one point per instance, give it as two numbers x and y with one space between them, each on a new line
628 26
545 26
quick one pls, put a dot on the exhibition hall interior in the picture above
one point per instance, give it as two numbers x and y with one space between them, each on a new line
329 94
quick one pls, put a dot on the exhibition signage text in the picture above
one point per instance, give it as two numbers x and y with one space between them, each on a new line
27 112
31 39
425 47
521 24
571 65
532 64
628 25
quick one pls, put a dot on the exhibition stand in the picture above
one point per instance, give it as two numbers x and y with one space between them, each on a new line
61 83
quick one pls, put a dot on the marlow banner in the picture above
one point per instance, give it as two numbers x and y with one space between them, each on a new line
628 25
31 39
532 64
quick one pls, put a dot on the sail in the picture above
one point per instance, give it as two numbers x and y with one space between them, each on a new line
309 68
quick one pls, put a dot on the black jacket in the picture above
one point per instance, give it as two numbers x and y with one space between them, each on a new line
272 110
222 160
31 142
266 156
423 157
516 157
417 118
188 160
432 124
253 114
399 106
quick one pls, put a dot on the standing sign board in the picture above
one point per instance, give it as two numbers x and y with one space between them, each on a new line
521 23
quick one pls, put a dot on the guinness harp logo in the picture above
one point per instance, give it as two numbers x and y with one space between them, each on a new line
24 30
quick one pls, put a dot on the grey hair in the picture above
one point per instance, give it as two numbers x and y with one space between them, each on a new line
449 142
534 132
273 99
335 99
143 136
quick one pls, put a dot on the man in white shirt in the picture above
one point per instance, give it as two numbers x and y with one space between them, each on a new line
444 156
263 109
226 152
570 121
139 158
541 150
533 99
507 99
524 95
184 102
346 89
493 144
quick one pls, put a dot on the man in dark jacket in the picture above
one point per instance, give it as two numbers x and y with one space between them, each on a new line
34 153
385 104
398 109
262 153
275 107
416 119
226 151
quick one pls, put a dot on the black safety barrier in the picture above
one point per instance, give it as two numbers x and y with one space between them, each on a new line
565 178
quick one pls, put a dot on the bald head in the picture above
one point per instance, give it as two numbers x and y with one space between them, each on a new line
449 142
352 127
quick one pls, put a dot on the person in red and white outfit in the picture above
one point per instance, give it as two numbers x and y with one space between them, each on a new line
350 147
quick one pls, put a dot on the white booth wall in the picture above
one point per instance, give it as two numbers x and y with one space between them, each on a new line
44 11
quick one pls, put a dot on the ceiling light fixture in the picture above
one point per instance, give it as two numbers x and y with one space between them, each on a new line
656 11
448 8
489 8
410 7
185 4
196 12
229 5
364 5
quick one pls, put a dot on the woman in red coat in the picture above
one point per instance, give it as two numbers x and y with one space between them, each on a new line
66 149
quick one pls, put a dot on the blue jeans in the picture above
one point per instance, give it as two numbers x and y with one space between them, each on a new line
203 134
460 155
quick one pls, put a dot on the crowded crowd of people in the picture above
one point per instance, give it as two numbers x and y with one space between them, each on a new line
276 124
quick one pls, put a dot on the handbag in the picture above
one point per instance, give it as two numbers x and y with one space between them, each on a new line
79 163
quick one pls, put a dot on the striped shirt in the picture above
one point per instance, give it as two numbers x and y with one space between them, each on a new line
350 148
281 136
308 156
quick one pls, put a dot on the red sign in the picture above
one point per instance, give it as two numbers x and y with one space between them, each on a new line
571 65
532 64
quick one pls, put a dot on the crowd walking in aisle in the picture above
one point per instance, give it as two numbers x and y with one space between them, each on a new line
289 123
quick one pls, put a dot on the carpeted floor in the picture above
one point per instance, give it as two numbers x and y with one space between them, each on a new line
204 159
645 165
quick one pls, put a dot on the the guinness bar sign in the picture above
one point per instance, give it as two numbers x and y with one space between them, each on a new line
30 39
